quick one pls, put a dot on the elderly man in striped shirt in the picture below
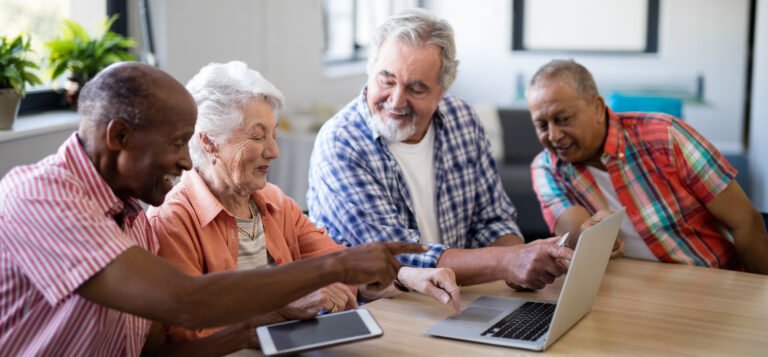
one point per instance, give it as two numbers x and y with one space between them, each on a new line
79 274
683 204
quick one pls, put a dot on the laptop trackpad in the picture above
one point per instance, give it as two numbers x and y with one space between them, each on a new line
478 314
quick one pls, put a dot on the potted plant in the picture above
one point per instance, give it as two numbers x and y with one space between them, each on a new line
82 57
15 73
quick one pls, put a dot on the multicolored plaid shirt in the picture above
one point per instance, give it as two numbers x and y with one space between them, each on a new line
664 173
359 194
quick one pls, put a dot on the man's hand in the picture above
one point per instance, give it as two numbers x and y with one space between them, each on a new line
532 265
439 283
373 264
332 298
618 245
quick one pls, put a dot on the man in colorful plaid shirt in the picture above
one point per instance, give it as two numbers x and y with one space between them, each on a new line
404 162
683 205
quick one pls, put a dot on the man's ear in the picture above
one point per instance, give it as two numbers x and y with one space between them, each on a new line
118 134
600 106
208 145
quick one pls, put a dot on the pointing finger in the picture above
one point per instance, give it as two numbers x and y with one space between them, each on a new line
559 252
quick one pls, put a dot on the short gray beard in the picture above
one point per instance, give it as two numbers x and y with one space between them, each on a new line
390 130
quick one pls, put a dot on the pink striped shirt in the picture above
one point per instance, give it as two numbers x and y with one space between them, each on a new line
56 231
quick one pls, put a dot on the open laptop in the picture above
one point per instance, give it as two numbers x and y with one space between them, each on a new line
532 324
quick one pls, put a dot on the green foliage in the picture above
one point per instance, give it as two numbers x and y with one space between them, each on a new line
15 69
75 51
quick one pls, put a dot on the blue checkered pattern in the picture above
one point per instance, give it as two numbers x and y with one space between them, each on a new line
358 193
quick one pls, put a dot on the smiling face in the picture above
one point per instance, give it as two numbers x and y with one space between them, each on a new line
247 153
569 125
403 90
157 153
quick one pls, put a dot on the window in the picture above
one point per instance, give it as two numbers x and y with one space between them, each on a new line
349 24
41 20
627 26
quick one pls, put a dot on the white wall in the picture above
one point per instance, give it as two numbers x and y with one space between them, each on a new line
189 34
758 152
696 36
282 39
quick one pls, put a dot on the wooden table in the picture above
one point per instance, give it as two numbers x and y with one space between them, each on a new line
643 308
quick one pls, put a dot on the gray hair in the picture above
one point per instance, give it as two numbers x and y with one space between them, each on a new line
566 72
220 92
119 91
421 28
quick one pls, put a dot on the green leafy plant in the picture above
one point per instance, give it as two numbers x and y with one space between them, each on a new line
75 51
16 71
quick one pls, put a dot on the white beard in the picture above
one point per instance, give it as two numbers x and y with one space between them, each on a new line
390 129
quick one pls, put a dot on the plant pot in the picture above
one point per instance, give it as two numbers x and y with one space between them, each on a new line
9 107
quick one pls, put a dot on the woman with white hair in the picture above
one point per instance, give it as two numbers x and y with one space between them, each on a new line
223 215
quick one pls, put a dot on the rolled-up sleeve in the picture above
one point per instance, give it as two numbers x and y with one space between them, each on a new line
551 192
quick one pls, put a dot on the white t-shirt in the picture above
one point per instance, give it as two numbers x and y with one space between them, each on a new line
634 245
417 162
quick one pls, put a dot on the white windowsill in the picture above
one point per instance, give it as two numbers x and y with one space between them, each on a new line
42 123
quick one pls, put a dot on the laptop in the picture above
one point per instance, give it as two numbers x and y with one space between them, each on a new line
535 324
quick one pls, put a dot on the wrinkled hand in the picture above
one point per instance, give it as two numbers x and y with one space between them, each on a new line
533 265
373 264
332 298
618 245
439 283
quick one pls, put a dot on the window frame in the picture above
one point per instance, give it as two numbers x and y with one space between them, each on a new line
49 99
651 37
359 52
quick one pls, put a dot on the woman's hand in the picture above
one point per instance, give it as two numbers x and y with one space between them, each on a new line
439 283
332 298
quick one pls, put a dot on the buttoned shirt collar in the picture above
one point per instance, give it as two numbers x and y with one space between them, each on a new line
207 207
75 157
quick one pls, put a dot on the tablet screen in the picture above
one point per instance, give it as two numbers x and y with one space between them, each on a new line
323 329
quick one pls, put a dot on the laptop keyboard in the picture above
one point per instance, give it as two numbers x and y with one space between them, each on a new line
528 322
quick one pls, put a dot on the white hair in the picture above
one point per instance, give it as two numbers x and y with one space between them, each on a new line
221 92
419 27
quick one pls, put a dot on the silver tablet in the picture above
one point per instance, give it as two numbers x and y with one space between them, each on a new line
323 331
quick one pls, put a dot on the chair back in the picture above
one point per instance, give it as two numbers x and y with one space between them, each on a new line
619 102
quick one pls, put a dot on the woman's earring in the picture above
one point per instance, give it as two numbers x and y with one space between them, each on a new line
214 161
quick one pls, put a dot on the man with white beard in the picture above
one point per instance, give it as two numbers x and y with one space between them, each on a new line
405 162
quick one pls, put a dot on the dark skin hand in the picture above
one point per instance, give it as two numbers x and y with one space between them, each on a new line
142 284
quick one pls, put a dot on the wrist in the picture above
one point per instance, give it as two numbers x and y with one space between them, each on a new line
332 268
399 284
499 266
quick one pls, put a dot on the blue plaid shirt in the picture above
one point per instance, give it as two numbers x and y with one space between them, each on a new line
358 193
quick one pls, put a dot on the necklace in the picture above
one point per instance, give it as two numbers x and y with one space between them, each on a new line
252 234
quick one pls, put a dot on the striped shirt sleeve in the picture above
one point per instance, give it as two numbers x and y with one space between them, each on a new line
59 237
